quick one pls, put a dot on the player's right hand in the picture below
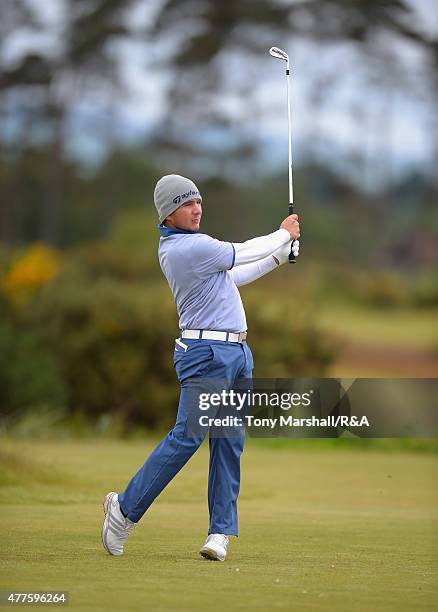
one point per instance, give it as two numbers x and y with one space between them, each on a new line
292 226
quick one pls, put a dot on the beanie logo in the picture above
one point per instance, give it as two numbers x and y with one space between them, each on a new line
184 196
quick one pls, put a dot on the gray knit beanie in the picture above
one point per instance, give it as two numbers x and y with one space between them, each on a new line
171 192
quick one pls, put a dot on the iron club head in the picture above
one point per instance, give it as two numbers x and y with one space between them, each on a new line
279 53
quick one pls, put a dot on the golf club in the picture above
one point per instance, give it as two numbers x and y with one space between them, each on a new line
280 54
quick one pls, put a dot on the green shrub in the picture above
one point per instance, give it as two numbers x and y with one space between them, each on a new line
283 343
99 339
424 291
113 343
29 374
384 290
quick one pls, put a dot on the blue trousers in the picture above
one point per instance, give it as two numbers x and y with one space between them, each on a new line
229 362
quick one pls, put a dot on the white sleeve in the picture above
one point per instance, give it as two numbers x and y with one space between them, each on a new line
259 248
242 275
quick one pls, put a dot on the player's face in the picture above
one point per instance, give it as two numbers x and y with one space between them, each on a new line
187 217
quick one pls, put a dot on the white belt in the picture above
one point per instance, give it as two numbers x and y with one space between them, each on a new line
209 334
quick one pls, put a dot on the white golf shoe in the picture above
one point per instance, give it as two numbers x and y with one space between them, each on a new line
116 528
215 547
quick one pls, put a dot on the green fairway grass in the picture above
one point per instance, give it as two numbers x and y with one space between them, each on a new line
320 529
401 328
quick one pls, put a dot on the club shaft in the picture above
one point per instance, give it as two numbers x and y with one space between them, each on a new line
292 259
289 126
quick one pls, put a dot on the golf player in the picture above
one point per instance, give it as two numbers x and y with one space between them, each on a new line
203 274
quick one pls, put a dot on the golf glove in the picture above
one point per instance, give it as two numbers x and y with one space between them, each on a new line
282 254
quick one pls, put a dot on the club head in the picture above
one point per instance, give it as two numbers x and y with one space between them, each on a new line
279 53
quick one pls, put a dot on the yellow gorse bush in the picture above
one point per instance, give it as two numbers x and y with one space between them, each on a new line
36 267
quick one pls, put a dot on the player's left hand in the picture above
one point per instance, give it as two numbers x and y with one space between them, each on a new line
282 254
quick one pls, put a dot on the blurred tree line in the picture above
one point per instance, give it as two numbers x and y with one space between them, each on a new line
46 193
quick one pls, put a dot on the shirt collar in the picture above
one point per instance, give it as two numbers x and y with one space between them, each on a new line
169 231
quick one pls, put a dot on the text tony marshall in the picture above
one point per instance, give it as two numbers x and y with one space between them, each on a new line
284 421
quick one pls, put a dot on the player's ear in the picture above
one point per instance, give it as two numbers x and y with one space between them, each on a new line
168 220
